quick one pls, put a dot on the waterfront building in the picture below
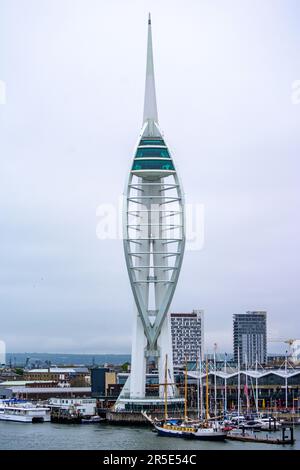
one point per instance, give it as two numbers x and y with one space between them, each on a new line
154 239
187 336
40 390
102 379
73 376
262 388
84 406
250 337
8 374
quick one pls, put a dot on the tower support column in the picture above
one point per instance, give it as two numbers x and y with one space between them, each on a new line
165 347
138 360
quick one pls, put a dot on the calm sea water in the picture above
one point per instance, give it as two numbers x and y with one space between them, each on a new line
107 437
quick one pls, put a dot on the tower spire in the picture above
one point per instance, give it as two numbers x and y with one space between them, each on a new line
150 108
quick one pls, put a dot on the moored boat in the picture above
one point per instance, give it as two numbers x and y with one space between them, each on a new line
92 420
185 427
200 432
23 412
208 434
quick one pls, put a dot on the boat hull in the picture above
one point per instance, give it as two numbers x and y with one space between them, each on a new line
214 436
203 435
25 419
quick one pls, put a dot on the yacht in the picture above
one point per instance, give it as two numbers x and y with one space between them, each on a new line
23 412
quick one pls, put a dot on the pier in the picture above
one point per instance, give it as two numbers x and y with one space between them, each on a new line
136 418
243 437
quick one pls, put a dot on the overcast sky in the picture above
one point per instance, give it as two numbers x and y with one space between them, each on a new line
74 72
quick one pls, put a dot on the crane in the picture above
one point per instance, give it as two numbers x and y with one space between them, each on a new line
294 346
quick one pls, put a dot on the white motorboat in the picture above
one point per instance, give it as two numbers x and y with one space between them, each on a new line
23 412
92 420
270 424
212 433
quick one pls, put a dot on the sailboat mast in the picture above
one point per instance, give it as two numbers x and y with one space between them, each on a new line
215 380
256 386
166 388
225 396
185 393
201 386
239 385
286 386
206 410
198 386
246 388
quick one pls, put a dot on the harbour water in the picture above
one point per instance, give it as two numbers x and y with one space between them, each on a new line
107 437
39 359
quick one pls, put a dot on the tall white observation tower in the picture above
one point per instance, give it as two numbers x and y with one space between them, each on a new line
154 239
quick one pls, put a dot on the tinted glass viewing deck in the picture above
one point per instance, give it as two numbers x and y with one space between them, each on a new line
153 165
152 152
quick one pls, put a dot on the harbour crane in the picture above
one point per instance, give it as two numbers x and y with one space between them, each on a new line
293 346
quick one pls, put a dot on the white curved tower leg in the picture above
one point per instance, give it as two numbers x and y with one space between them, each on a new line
138 360
165 346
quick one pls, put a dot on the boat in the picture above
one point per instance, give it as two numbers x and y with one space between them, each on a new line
207 430
270 424
23 412
254 424
92 420
65 416
210 433
185 428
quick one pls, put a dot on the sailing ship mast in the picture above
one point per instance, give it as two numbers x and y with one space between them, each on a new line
166 388
185 393
200 388
256 386
215 380
225 396
239 385
246 385
198 385
206 407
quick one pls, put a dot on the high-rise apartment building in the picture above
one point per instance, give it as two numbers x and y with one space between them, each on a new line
187 331
250 337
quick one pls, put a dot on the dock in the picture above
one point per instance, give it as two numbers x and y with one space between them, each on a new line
136 418
285 440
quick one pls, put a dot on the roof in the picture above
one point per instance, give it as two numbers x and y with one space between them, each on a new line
18 383
59 370
49 390
249 373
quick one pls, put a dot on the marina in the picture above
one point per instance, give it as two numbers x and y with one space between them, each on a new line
105 436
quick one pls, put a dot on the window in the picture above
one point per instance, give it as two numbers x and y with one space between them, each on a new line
152 165
152 152
152 142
